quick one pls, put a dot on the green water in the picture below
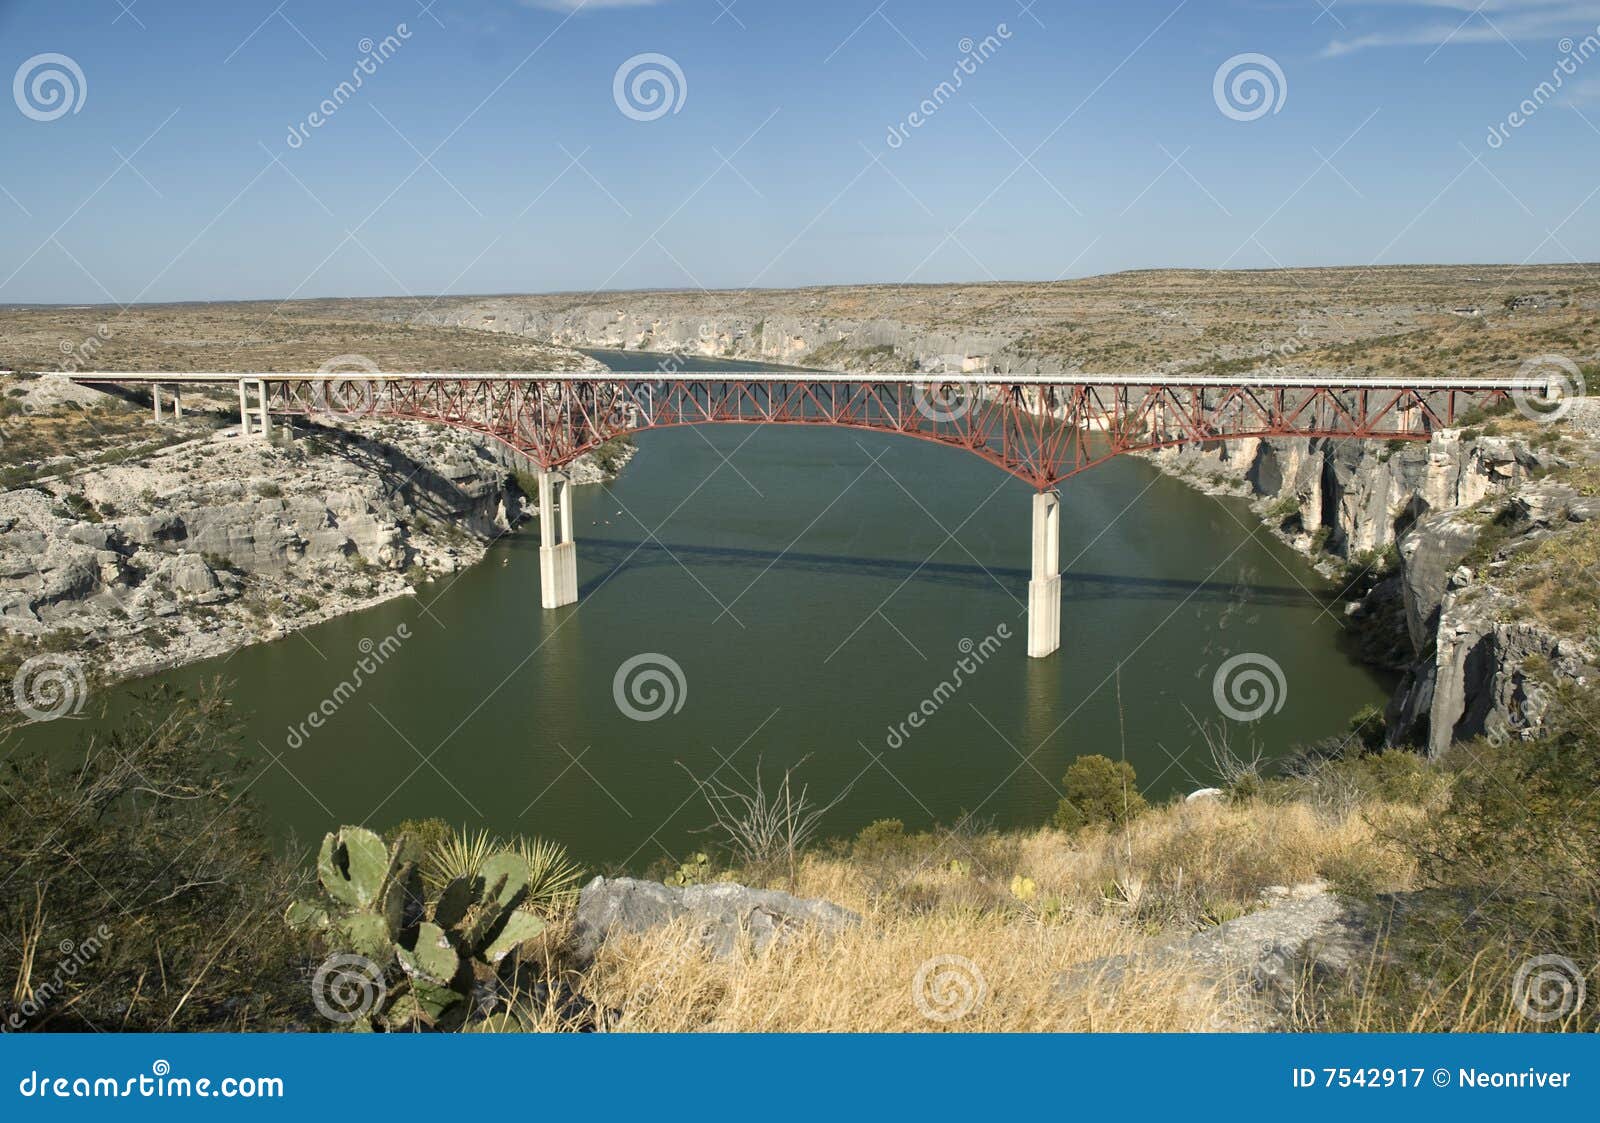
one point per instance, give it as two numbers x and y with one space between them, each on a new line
815 587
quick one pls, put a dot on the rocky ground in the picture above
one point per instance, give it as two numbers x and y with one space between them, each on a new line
1428 319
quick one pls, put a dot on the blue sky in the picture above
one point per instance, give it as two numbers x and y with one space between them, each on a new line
489 152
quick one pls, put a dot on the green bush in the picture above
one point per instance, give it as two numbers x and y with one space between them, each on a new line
1098 790
879 840
430 835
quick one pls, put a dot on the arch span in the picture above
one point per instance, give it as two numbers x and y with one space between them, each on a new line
1041 430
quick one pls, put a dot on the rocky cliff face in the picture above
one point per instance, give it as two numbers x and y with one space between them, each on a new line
1480 645
1464 649
1350 498
857 343
216 542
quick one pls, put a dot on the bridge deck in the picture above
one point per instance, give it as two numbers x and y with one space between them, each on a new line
921 378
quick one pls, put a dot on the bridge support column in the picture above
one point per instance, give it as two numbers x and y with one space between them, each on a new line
244 411
155 398
558 553
177 403
1044 589
261 402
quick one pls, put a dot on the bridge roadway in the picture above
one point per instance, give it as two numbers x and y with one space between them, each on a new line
1041 428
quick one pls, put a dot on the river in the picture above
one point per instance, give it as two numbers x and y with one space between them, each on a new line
802 592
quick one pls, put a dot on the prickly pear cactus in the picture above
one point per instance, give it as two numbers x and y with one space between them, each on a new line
434 953
352 866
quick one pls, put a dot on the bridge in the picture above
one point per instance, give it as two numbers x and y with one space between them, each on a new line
1042 429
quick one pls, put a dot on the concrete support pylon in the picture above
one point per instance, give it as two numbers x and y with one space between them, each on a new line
261 401
155 398
244 410
558 552
177 403
1044 588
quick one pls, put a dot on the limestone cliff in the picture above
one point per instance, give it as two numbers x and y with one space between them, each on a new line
215 542
1465 647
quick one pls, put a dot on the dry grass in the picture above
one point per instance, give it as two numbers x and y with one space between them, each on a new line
1556 582
1094 896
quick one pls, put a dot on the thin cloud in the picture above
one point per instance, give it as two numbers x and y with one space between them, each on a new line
1586 92
1464 22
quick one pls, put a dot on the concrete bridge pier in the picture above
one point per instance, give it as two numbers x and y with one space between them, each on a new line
177 402
1044 589
260 408
558 553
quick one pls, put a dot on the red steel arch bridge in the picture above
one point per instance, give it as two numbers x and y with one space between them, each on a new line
1041 429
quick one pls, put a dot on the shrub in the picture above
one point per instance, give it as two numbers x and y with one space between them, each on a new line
145 854
1098 790
80 507
878 840
1284 508
428 834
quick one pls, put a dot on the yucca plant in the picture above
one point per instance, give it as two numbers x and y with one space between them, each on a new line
462 854
553 876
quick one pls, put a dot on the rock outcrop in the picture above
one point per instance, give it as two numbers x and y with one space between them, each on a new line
720 915
1476 640
213 543
1465 644
1257 966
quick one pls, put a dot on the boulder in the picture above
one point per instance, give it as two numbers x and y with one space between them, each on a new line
154 530
190 574
1259 961
720 913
